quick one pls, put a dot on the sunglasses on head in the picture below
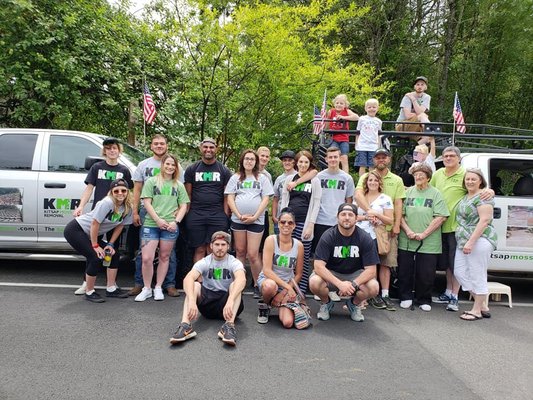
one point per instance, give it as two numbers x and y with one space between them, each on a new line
286 223
115 191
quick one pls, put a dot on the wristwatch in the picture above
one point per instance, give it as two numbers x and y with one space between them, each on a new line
355 286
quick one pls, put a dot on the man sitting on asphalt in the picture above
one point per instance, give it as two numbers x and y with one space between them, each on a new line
218 295
345 259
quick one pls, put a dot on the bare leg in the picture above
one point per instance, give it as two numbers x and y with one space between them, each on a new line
344 163
197 294
253 240
165 247
148 254
91 280
319 288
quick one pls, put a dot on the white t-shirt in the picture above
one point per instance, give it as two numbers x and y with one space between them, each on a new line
381 203
369 128
217 275
249 194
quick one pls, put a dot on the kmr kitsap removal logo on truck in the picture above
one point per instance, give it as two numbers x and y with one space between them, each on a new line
59 208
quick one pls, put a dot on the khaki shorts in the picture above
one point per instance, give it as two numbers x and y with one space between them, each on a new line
410 127
391 258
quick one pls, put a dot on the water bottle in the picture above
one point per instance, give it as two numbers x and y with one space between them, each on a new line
107 258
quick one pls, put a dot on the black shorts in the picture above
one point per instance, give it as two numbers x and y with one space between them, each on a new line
212 304
446 259
253 228
201 226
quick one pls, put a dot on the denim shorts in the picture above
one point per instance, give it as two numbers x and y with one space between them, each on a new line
150 233
364 158
343 146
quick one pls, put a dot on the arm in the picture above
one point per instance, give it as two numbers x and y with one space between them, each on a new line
485 217
419 109
188 287
275 201
361 201
314 208
261 210
350 117
368 273
398 207
299 270
161 223
93 235
307 177
86 195
232 206
487 194
188 189
387 218
114 237
433 146
235 291
433 226
137 187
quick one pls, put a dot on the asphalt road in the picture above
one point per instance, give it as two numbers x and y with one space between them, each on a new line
57 346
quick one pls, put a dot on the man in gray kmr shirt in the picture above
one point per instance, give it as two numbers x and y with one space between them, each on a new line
218 295
337 188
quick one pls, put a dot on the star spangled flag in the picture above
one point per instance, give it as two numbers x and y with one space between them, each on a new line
318 123
458 115
149 111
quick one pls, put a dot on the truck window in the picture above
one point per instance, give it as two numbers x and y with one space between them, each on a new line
511 177
68 153
17 151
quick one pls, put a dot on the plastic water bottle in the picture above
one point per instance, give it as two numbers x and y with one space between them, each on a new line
107 258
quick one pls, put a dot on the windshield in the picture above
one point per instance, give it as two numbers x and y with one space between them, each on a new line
133 154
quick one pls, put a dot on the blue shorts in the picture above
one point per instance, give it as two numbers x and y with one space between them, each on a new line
364 158
343 146
149 233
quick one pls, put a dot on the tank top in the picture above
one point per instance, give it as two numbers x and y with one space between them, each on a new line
284 262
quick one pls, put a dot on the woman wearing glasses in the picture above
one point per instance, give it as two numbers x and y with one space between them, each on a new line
248 194
476 240
165 200
84 234
283 260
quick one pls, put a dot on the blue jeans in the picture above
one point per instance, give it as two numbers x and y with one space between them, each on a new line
170 279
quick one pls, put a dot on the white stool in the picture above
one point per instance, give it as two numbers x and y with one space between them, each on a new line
496 289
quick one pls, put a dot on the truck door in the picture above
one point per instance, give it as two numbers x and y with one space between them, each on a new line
61 183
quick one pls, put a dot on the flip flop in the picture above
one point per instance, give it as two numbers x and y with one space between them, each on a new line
485 314
467 314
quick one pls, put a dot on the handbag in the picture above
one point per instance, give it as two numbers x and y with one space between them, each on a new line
382 237
302 314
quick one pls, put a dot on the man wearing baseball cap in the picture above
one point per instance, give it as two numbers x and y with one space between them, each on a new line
414 107
217 295
345 260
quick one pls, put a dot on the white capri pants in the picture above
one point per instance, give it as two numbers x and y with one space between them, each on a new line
471 269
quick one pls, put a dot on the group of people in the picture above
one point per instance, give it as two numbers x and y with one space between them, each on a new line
442 221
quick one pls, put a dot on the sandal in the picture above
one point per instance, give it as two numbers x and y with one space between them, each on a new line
485 314
467 316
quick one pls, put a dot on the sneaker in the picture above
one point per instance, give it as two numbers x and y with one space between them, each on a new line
135 291
323 313
264 312
118 293
183 333
228 334
82 289
94 298
158 294
334 296
355 311
146 293
389 306
425 307
442 299
377 302
406 303
172 291
453 305
257 293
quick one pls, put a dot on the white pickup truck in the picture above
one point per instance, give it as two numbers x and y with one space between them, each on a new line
42 175
511 177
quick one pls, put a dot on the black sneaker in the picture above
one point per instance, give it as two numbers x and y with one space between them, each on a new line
264 312
228 334
94 297
388 303
183 333
257 293
118 293
377 302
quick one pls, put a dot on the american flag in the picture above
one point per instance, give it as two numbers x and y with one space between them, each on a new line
149 111
320 116
458 115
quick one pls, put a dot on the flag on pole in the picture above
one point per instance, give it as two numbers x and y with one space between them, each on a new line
149 111
458 115
318 124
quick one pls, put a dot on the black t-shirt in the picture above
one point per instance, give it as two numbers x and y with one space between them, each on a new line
346 254
208 182
102 174
299 199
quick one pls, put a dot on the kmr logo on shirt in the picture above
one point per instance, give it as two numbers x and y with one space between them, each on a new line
149 172
332 184
219 274
114 217
418 202
303 187
207 176
166 190
284 261
346 251
109 175
249 185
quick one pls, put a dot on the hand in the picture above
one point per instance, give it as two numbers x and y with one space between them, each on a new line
291 185
275 219
467 249
172 226
77 212
227 312
99 252
307 233
420 236
291 294
110 249
346 288
137 220
486 194
193 310
412 96
162 224
247 219
395 231
411 235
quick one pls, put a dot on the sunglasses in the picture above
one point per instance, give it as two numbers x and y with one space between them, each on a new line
116 191
290 223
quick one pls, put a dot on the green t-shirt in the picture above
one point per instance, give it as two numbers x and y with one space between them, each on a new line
452 190
420 207
165 200
392 187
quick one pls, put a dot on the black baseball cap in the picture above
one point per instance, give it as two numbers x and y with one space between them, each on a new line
119 182
382 151
420 78
110 140
287 154
347 207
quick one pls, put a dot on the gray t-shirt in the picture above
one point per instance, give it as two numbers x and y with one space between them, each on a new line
249 194
406 103
104 213
335 188
278 187
218 275
146 169
267 174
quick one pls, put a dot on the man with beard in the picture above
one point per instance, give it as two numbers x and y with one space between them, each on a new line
345 260
392 187
205 181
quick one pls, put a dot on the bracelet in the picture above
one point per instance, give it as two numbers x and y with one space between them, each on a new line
355 286
110 244
95 246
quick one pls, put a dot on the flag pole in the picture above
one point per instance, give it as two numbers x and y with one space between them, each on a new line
453 132
322 134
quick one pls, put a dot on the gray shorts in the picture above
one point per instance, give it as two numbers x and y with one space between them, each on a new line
342 277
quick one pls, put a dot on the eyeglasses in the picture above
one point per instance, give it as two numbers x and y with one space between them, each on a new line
116 191
290 223
249 158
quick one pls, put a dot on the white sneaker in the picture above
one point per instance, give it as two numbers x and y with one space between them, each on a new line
406 303
425 307
82 289
158 294
334 296
146 293
323 312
